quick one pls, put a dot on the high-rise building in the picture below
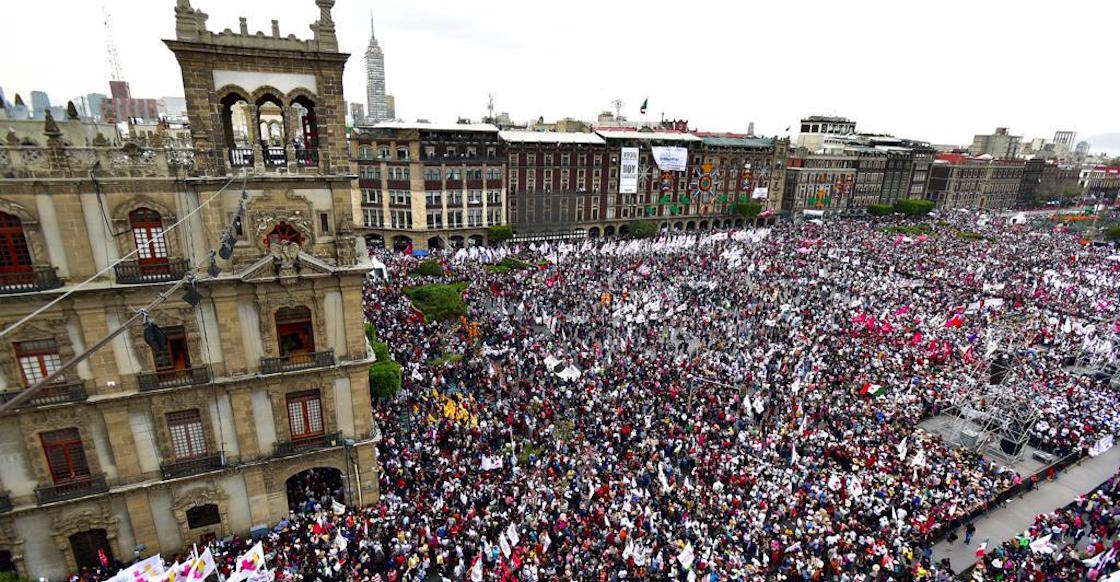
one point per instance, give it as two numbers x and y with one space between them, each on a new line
40 103
93 104
376 106
258 384
1082 148
18 110
1000 144
172 107
357 113
1065 138
122 106
390 108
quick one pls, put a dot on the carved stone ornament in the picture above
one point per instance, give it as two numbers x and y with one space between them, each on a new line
12 139
100 141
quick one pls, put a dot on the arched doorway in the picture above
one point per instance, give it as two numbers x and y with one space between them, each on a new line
435 243
307 136
593 232
237 123
703 225
317 485
727 223
738 223
88 546
608 231
691 225
664 226
456 242
401 243
623 230
678 226
6 562
271 132
476 240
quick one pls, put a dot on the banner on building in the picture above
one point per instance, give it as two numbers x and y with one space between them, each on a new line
628 171
761 192
670 158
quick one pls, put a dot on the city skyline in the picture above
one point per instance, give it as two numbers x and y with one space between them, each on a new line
448 58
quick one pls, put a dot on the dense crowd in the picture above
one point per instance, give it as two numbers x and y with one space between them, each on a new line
738 405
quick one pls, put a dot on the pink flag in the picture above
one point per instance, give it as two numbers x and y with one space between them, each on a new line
901 310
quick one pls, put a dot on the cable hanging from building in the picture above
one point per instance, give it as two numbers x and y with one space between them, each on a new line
154 336
158 237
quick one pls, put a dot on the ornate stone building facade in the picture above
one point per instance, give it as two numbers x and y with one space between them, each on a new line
429 186
159 444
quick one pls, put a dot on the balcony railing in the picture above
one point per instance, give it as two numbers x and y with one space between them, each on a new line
322 441
307 157
88 485
297 362
240 157
195 466
5 502
173 378
58 393
133 272
275 156
37 279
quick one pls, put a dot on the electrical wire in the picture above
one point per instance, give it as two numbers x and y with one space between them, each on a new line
95 276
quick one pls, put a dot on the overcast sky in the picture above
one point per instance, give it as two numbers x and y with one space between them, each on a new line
938 71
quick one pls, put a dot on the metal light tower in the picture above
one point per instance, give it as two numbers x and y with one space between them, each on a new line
115 72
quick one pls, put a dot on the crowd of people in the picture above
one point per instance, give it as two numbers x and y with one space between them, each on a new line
735 405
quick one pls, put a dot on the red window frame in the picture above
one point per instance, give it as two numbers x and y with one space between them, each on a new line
66 456
15 257
43 352
305 409
148 235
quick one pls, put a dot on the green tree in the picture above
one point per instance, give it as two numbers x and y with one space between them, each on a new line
1112 232
643 228
880 209
748 209
384 373
428 269
439 302
499 233
913 206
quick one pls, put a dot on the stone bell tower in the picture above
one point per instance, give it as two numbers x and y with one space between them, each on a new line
262 100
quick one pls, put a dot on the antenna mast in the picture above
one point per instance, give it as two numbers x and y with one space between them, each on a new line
490 107
111 47
617 103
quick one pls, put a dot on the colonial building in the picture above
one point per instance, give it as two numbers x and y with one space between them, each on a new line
753 170
428 185
816 129
205 422
1101 183
960 181
555 181
818 183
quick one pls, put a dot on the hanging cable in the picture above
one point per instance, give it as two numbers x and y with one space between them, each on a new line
23 396
95 276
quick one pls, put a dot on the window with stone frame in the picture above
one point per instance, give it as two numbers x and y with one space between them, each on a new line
305 415
175 355
188 441
37 359
203 515
15 255
66 456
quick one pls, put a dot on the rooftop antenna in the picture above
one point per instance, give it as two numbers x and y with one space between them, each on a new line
111 47
617 103
490 107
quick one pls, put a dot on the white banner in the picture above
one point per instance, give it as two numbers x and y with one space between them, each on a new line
628 171
1100 446
670 158
761 193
